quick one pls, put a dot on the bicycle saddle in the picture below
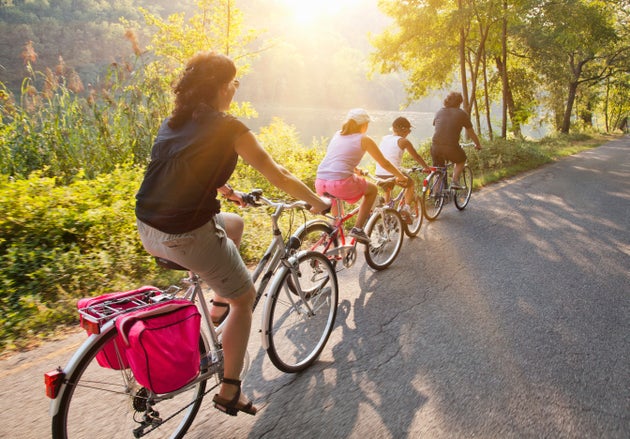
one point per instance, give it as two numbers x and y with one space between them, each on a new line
165 263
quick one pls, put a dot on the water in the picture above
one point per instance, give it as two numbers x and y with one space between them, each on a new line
316 123
324 122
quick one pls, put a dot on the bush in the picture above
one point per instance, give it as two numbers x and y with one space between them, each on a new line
59 243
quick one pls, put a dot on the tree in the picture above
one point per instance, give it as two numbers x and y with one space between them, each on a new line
438 41
572 43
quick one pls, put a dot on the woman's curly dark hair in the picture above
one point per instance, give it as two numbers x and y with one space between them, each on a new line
453 99
198 85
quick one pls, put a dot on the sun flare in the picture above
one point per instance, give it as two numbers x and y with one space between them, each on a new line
304 12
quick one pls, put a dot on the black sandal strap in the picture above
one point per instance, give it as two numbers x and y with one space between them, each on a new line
223 304
232 382
237 396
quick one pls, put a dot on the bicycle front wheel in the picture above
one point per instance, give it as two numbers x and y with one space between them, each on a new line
386 232
99 402
412 228
302 311
432 198
462 196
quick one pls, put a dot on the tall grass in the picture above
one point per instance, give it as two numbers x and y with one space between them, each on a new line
60 130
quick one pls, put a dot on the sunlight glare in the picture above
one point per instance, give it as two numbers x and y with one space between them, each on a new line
307 12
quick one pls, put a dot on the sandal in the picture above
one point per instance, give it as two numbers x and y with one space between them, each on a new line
225 314
232 407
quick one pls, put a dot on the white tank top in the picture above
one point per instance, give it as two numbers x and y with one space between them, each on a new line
392 152
342 155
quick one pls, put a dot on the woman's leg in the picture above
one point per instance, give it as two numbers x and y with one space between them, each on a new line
366 204
234 226
235 339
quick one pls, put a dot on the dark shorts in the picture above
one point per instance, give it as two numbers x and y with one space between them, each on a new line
440 154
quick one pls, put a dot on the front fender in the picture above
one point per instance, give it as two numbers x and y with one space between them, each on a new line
272 291
307 224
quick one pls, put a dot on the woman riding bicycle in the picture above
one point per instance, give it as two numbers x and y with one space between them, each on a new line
337 173
448 123
178 214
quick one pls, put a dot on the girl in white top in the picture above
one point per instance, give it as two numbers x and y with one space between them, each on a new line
339 176
393 146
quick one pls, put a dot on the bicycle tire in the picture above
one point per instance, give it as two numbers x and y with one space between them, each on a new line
297 330
417 217
462 196
316 236
99 402
386 232
432 198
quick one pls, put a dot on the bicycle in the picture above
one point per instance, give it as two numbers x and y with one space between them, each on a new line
384 228
414 223
297 319
436 191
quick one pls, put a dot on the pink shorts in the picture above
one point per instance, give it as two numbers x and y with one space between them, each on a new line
350 189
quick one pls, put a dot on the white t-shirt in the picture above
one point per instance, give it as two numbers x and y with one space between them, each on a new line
342 156
392 152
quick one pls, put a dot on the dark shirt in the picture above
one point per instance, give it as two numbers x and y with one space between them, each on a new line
188 164
448 123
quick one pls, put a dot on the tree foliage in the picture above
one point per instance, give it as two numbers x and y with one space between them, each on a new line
554 46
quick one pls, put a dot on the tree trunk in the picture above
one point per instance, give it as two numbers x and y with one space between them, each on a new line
486 97
566 120
509 100
462 62
504 77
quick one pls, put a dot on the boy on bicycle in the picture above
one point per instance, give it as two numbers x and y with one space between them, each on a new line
393 146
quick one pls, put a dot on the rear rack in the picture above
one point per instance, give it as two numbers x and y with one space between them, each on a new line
96 315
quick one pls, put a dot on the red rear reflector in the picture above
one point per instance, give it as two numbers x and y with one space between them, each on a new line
90 327
53 380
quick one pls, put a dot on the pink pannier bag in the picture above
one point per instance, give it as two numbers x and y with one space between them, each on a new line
162 343
113 354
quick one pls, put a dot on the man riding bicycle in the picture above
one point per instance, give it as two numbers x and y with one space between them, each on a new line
448 123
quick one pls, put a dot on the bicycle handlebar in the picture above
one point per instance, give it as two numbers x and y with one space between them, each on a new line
255 196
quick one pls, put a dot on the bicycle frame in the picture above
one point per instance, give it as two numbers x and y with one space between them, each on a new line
277 255
345 250
381 226
442 173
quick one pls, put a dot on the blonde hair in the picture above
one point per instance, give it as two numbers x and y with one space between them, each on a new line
351 127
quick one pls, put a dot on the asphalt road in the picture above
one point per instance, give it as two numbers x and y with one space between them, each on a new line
510 319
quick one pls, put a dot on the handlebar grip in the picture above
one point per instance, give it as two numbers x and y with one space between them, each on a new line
250 199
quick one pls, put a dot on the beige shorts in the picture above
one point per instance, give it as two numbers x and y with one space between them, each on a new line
206 251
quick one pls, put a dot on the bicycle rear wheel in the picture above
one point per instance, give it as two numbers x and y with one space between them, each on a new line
386 232
105 403
462 196
301 313
317 236
432 198
412 229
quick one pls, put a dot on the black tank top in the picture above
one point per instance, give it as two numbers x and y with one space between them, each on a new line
188 164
